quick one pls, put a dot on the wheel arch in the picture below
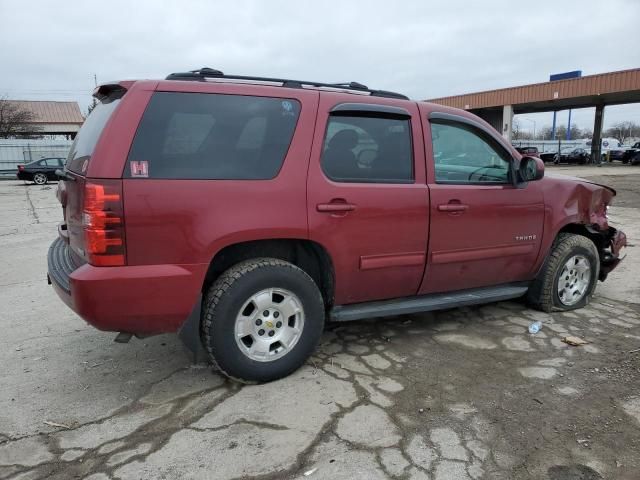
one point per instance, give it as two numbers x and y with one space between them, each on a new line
599 238
306 254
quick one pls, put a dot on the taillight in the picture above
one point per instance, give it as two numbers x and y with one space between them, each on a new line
103 223
20 168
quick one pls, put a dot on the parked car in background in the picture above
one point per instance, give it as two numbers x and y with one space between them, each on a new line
618 154
529 151
572 155
548 156
243 216
632 154
40 171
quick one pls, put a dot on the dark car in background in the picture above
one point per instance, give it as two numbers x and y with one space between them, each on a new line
632 155
529 151
547 156
40 171
618 154
572 155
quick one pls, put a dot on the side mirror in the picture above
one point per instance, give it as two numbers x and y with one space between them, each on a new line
530 169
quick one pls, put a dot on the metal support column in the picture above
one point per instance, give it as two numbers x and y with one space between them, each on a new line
507 120
596 141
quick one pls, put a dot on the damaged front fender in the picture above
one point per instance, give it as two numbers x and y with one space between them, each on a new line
579 206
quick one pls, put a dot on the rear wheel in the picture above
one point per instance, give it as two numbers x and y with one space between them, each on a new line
39 178
262 319
569 275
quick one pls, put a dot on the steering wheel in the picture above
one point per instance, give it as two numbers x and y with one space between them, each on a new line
484 175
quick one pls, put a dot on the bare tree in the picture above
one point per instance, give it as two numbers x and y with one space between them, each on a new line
91 106
623 131
16 121
515 130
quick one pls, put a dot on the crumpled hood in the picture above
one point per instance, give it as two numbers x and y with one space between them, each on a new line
560 176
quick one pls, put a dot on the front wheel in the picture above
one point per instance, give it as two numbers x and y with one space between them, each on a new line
569 275
39 178
262 319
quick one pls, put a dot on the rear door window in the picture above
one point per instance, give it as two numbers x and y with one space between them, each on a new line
213 136
368 149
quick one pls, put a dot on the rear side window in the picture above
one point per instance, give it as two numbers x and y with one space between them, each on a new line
88 136
50 162
213 136
368 149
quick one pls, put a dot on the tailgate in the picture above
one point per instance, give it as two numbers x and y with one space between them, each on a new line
71 188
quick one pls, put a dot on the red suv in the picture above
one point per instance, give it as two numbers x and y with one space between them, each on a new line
244 212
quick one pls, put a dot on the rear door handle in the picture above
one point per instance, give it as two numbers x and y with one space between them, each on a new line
335 207
453 207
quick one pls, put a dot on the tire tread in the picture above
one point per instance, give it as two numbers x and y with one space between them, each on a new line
540 294
221 287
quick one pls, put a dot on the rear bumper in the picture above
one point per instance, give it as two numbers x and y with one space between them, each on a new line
143 299
24 176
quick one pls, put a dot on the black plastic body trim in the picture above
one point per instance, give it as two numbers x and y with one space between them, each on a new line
189 333
370 108
60 264
426 303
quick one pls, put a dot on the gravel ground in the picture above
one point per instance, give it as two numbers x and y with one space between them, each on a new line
461 394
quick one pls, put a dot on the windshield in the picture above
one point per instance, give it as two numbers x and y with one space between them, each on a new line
88 136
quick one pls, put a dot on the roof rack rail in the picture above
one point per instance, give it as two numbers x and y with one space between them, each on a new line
203 73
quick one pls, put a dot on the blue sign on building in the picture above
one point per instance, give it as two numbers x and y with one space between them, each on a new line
565 76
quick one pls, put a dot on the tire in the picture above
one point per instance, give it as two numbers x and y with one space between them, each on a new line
40 178
544 293
240 298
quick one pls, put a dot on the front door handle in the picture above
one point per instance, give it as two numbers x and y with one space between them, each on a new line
453 207
335 207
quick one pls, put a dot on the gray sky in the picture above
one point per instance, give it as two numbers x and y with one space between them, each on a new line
50 50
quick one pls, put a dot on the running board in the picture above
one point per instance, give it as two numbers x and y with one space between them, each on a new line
426 303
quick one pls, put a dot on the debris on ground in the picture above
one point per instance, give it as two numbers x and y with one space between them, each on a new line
310 472
56 424
574 341
535 327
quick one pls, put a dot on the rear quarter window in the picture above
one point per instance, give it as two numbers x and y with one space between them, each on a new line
213 136
89 134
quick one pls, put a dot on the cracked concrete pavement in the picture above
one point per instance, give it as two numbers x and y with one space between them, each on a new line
460 394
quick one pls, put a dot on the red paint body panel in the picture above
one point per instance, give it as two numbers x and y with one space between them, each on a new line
371 262
384 240
475 247
495 217
189 221
143 299
389 219
474 254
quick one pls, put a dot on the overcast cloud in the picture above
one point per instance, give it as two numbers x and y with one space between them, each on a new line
51 50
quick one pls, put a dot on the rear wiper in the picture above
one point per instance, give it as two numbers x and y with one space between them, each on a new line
64 175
